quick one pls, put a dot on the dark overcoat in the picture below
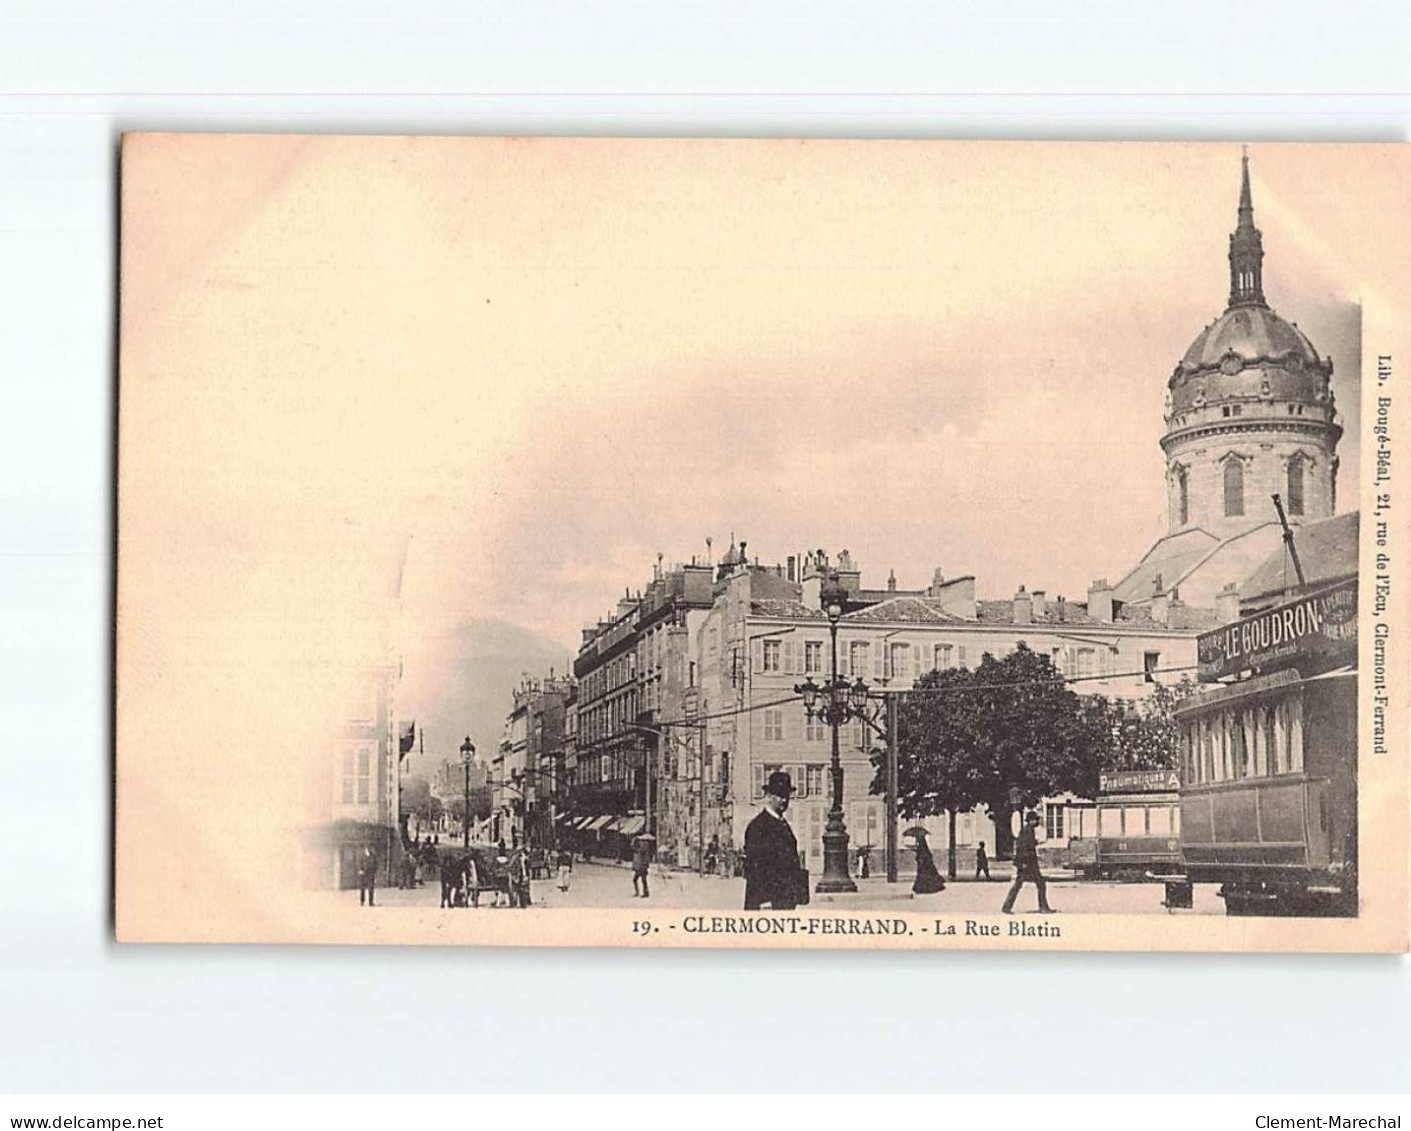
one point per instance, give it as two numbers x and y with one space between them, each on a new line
772 872
1026 854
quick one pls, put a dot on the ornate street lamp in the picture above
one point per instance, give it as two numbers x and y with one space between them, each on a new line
835 710
467 756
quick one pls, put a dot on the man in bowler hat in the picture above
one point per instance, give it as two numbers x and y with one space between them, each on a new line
772 872
1026 866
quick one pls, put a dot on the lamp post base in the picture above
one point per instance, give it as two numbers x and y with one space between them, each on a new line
836 877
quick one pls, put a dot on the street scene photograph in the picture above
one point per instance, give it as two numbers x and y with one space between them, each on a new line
883 528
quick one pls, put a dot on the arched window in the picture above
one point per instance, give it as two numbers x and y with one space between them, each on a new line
1183 496
1234 487
1295 491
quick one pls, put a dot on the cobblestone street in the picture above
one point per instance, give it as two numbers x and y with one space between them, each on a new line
599 885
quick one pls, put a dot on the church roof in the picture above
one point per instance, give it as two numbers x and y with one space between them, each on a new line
1250 333
1170 559
1327 550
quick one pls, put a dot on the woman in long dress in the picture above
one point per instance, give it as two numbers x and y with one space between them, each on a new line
928 879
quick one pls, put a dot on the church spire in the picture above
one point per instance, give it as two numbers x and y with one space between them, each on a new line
1246 250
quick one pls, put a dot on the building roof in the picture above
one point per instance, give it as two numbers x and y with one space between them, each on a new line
905 609
1251 333
794 610
910 610
1169 558
1327 550
1180 618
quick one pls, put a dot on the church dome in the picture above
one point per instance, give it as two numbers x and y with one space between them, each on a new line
1250 333
1248 354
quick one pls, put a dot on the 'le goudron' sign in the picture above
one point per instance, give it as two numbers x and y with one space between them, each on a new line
1315 631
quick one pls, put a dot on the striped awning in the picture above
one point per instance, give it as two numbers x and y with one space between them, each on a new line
630 826
598 822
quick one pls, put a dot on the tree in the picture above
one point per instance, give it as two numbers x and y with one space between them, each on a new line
1009 731
1145 733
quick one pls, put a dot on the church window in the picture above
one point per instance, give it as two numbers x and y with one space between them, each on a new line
1234 487
1295 491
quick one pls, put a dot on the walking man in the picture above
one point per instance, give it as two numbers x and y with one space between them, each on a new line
367 875
982 862
519 879
641 858
772 872
1026 866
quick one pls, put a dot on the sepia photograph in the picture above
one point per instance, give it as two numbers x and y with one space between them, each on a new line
758 543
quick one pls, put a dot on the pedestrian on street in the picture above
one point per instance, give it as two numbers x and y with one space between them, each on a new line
1026 866
982 862
565 868
928 877
712 854
367 876
642 848
520 893
772 871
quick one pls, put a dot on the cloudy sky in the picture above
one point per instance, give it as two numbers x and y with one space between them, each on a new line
517 370
933 356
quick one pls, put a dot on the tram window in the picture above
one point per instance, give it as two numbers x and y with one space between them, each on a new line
1109 822
1134 820
1159 820
1175 820
1239 762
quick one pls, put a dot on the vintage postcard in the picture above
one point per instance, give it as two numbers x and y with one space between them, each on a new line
735 543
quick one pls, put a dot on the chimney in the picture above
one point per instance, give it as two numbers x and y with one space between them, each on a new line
1227 603
1061 609
1023 607
892 581
1040 605
1161 608
793 575
956 596
709 556
1100 600
937 580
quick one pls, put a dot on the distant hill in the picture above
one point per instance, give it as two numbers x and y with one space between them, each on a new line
461 681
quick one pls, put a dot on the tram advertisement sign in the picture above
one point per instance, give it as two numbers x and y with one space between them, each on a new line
1318 630
1138 781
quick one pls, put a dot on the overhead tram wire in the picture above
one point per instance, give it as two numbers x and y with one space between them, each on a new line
934 691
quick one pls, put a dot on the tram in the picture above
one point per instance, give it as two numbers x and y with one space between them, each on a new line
1137 827
1268 759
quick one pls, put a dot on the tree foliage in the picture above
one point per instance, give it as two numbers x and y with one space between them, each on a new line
1145 735
968 737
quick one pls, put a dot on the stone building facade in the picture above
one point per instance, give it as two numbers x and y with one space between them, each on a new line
355 794
766 632
637 749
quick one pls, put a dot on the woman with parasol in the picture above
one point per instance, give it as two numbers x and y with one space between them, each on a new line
928 878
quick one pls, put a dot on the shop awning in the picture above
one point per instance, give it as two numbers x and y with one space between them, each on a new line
597 822
630 826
